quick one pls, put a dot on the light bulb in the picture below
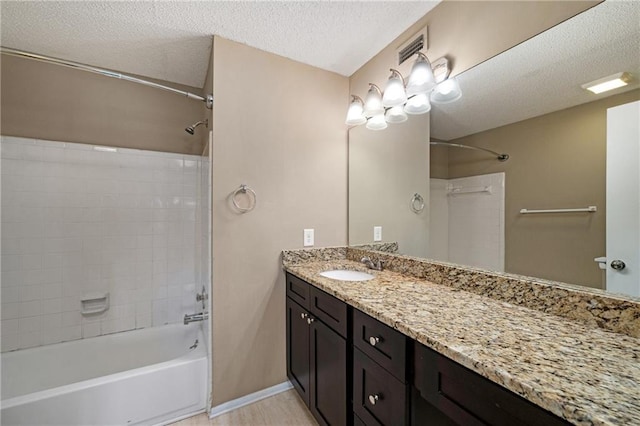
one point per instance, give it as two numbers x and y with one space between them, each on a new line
446 91
395 115
418 104
373 101
394 93
421 79
446 87
355 114
377 122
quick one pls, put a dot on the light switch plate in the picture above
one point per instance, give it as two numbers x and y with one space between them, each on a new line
308 237
377 233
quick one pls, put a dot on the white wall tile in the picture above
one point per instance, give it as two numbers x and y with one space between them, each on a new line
77 220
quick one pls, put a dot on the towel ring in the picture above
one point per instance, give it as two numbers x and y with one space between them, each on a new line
417 203
243 189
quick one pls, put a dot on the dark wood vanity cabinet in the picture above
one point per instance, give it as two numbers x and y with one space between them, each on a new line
380 386
351 369
446 393
317 355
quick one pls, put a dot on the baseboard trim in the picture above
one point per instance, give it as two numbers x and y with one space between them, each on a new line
249 399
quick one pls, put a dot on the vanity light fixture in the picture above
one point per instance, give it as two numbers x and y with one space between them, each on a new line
373 101
418 104
377 122
395 115
427 83
421 79
355 115
394 92
608 83
447 89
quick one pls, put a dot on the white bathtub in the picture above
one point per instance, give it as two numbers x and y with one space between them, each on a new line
148 376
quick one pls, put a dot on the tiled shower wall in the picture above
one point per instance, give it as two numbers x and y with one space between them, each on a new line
468 222
77 219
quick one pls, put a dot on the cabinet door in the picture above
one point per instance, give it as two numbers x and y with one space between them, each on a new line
379 399
298 348
329 402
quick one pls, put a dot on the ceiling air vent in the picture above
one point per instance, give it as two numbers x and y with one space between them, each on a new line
411 49
406 51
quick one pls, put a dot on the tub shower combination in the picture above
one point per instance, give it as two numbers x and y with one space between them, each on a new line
104 285
147 376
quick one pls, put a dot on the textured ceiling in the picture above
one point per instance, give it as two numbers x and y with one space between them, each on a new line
545 73
171 40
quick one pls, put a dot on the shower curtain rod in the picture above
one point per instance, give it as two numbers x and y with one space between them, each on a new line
500 157
208 100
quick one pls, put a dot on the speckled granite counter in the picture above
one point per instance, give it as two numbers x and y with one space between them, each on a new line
584 374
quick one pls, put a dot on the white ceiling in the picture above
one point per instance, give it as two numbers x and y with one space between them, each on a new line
545 73
171 40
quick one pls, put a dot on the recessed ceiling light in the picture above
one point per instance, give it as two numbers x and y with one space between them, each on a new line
608 83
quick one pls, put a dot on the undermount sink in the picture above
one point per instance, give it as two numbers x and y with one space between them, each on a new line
347 275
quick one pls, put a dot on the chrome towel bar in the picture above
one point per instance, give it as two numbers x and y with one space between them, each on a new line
590 209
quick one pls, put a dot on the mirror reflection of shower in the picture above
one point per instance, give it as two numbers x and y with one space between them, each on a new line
192 129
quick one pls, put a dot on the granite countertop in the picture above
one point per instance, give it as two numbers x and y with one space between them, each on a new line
583 374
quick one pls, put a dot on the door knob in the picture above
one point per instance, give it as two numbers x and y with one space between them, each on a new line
310 320
374 340
618 265
373 399
303 315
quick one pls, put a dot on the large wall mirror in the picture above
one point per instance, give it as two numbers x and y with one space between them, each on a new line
526 102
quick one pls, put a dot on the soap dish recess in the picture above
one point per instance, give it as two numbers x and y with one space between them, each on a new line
94 303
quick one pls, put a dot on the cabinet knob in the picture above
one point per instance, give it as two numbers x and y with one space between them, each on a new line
374 340
303 315
373 399
310 320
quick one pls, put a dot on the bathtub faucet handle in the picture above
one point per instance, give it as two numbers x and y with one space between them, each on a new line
201 316
202 297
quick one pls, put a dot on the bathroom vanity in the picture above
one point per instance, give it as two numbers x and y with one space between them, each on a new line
400 350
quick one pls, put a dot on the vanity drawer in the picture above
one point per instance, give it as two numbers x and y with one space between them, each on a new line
329 310
378 397
470 399
298 290
382 343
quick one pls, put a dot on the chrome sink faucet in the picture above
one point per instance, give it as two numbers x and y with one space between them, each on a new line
371 265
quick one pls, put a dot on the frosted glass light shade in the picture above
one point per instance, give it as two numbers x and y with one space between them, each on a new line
394 93
446 91
419 104
421 79
355 114
377 122
395 115
373 102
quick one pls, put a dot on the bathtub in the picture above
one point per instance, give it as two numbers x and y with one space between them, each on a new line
149 376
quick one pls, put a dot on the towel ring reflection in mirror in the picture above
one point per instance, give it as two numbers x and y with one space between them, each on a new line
417 203
244 189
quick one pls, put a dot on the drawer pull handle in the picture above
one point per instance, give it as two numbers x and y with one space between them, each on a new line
303 315
374 340
310 320
373 399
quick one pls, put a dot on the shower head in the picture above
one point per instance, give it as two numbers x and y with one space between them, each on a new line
192 129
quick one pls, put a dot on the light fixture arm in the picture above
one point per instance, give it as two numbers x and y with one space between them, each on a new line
376 87
396 73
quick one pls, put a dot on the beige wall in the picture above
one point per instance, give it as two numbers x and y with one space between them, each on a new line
470 32
51 102
279 128
556 161
385 169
